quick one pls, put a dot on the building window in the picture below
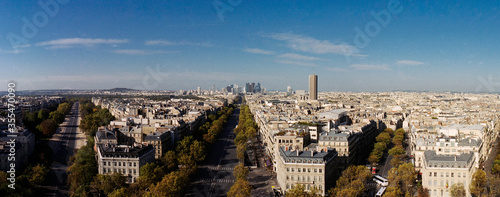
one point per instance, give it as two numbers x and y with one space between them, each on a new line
298 169
303 170
430 173
104 163
288 169
458 174
320 170
447 174
315 170
435 174
452 174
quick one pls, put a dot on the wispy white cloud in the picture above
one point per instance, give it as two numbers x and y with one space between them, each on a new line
171 43
369 67
312 45
74 42
297 63
258 51
141 52
299 57
409 62
15 51
336 69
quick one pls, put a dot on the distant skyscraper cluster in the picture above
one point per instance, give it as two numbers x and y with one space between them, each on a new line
252 88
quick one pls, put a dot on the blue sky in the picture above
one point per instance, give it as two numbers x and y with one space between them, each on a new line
171 45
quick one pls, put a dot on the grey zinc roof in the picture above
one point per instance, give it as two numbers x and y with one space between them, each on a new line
315 156
432 158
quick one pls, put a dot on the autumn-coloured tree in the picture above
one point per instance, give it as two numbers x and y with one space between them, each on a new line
240 171
457 190
47 127
240 189
172 184
106 184
352 182
478 183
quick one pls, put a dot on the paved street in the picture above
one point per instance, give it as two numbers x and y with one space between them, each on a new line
67 138
215 176
491 158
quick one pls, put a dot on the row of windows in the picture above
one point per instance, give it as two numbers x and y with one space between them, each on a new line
123 171
304 170
307 187
447 165
120 163
449 174
305 178
287 141
443 183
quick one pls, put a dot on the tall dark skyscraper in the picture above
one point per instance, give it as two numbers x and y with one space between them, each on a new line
313 87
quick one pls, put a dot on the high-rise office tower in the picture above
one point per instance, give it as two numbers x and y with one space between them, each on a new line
313 87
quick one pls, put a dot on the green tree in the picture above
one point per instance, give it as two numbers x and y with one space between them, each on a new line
457 190
197 151
43 114
402 180
493 185
299 191
170 160
82 170
240 151
398 139
172 184
57 116
106 184
397 150
373 158
65 108
240 171
389 131
37 174
122 192
240 189
187 162
379 147
478 183
399 131
352 182
496 167
384 137
151 173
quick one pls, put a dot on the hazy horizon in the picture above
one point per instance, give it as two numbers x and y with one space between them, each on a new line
357 46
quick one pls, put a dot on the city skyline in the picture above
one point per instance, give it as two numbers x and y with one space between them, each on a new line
352 46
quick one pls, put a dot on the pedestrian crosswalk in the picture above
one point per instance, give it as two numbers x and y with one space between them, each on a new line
217 180
218 168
